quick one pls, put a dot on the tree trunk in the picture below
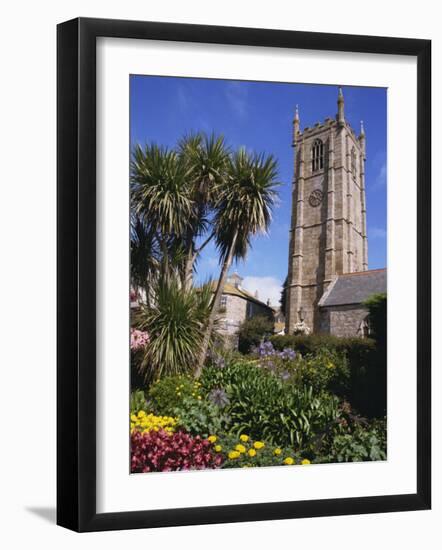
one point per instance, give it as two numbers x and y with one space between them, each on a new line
188 269
215 305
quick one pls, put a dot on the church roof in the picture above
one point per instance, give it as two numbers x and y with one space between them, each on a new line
354 288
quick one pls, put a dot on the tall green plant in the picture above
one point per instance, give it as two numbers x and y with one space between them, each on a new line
175 323
243 208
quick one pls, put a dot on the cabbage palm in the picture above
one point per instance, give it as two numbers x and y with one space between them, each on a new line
144 255
243 208
206 160
160 197
175 322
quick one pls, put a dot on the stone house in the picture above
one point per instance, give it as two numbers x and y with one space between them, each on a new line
341 309
236 306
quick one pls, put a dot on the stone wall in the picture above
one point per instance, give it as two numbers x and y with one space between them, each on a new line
344 321
236 311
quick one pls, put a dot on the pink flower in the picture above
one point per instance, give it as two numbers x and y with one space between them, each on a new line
138 339
164 452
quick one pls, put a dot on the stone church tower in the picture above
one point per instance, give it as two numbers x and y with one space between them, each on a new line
328 230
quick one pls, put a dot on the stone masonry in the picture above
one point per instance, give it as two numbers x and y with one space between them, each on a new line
328 230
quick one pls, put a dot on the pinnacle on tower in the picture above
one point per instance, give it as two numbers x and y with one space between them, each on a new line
341 118
296 124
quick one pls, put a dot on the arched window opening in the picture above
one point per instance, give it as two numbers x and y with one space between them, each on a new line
317 155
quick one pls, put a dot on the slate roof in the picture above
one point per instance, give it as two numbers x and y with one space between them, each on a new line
241 293
354 288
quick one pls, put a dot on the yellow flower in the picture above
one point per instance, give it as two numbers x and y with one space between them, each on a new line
199 397
289 461
252 452
233 454
212 438
134 418
218 448
240 448
141 414
178 393
258 445
305 461
244 438
277 451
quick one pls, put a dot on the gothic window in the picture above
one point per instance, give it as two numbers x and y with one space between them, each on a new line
353 163
317 155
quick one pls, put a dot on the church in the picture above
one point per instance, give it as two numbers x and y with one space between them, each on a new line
328 275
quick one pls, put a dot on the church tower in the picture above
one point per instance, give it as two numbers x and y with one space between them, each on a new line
328 234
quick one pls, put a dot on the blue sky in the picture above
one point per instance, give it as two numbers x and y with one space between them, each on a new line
258 115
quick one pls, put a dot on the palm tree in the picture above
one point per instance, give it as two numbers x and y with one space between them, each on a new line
243 208
145 256
175 322
206 160
161 199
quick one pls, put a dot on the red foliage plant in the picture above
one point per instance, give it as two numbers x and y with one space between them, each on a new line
166 452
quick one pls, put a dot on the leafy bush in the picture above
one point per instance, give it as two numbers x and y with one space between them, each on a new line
169 392
366 360
244 452
199 417
163 452
356 348
325 370
252 331
377 310
365 442
138 401
268 407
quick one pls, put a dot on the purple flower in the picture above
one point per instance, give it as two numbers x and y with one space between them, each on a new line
219 397
288 354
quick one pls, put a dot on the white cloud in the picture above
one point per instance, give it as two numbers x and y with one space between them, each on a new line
236 94
269 288
381 177
377 232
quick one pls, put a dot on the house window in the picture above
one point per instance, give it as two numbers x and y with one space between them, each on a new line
223 303
353 163
317 155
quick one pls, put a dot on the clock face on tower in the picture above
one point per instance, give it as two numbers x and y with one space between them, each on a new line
315 197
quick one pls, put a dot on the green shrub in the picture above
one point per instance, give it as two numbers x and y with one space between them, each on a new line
138 401
199 417
252 331
377 310
365 442
327 370
267 407
170 392
366 360
356 348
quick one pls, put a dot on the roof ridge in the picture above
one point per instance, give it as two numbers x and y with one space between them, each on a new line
363 272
